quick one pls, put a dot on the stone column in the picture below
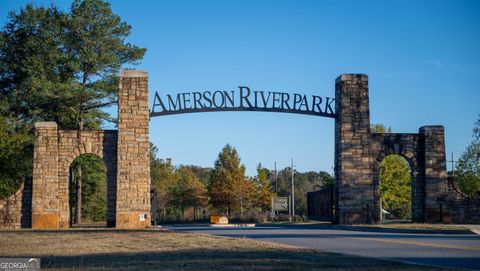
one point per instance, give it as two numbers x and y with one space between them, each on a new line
45 202
353 158
435 174
133 164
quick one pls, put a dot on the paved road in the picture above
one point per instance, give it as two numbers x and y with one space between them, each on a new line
460 251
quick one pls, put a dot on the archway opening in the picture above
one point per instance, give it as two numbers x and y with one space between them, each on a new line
88 192
395 189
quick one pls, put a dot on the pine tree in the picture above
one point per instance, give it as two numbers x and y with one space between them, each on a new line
64 66
227 174
15 143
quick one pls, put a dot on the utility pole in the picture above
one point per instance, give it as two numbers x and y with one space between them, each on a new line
275 172
453 166
293 193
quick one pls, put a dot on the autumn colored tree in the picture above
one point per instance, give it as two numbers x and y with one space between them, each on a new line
163 178
380 128
227 173
265 194
188 191
245 196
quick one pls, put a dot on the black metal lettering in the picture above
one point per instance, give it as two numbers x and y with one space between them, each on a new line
256 97
316 104
275 98
265 102
186 100
328 106
215 99
244 97
304 103
297 98
174 104
230 98
207 99
160 103
285 101
197 97
221 100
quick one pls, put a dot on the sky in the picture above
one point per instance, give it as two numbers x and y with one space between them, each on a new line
422 59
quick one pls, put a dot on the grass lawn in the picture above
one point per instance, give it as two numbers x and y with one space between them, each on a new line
156 249
397 224
422 226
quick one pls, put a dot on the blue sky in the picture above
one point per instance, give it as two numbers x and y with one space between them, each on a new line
422 59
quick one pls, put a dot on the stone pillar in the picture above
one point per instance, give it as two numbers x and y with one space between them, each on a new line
353 158
435 174
133 164
45 202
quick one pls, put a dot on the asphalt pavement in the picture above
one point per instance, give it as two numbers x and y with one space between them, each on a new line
449 250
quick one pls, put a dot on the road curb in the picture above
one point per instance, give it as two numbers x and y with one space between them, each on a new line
377 229
398 230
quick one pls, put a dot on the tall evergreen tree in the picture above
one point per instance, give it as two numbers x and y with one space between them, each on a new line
188 191
227 173
96 41
64 66
15 144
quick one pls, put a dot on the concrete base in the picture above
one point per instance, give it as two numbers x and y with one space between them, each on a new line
232 225
132 220
45 221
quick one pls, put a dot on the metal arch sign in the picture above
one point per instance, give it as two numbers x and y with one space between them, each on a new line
242 100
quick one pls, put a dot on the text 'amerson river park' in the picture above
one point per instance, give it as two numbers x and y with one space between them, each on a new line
242 100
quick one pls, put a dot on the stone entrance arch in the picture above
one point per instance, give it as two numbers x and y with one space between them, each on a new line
126 156
358 153
405 145
66 146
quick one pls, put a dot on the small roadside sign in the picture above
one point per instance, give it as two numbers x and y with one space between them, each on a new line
280 204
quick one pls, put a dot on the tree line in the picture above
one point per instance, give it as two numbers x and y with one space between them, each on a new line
192 192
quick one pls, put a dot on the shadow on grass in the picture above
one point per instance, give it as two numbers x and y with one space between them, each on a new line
84 230
223 260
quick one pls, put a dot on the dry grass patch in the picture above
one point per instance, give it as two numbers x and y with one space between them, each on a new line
423 226
154 249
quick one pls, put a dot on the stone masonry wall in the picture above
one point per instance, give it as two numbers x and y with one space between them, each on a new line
432 140
55 150
407 146
100 143
464 209
16 210
133 175
45 201
358 155
353 159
